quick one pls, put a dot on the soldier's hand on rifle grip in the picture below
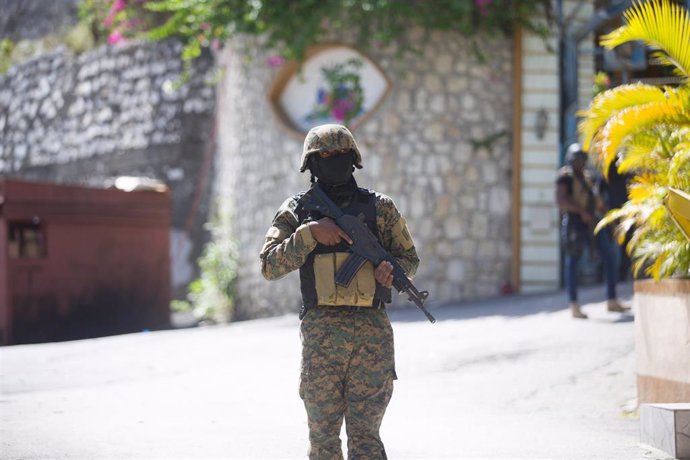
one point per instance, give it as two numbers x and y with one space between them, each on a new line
384 274
327 232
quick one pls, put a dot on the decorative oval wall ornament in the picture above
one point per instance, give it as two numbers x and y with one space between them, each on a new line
336 84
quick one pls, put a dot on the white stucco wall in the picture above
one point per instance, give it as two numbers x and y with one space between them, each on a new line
539 157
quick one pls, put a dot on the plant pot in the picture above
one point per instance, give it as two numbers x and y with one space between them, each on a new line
662 340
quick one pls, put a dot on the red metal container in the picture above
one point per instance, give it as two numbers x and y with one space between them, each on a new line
79 262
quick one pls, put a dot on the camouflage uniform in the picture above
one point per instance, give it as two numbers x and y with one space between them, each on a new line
348 363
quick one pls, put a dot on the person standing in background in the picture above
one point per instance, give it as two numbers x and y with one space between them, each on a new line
614 190
580 210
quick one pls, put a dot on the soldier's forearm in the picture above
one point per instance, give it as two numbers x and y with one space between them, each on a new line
279 259
408 261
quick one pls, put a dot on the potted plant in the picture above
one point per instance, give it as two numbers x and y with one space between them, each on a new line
645 130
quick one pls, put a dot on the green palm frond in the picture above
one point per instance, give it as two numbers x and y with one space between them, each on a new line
679 169
626 122
662 258
622 229
610 102
661 58
641 256
612 216
641 152
646 192
659 218
646 130
638 234
662 25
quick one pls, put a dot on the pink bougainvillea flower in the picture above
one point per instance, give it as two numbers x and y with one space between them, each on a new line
341 109
204 26
117 6
215 44
275 61
115 38
338 113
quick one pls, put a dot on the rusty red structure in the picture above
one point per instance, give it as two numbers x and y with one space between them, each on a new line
79 262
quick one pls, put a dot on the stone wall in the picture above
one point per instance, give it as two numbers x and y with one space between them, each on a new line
419 148
115 111
31 19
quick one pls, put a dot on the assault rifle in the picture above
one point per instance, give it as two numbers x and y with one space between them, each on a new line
365 246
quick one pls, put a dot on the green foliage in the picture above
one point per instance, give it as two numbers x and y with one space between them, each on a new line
487 142
600 83
290 27
344 96
211 296
77 38
92 13
664 27
646 131
80 38
181 306
212 293
6 48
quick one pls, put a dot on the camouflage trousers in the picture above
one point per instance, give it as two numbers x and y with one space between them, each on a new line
348 368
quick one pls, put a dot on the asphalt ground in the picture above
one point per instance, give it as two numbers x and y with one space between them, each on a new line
512 377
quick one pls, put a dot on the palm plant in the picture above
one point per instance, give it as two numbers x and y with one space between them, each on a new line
646 130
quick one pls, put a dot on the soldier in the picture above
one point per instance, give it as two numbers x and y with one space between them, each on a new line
348 364
580 206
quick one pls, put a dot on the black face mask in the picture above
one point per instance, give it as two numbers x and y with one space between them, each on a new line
335 170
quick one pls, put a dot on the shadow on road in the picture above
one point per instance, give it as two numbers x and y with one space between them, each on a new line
514 306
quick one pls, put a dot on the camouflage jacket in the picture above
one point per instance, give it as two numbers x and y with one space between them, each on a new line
288 244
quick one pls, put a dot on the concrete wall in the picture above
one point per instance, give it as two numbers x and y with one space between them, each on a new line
662 340
416 148
114 111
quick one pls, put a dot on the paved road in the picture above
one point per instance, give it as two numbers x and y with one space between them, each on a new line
506 378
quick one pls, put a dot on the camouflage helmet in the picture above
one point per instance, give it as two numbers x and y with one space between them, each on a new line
329 137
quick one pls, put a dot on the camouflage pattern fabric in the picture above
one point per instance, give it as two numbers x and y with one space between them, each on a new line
348 365
288 243
348 368
329 137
